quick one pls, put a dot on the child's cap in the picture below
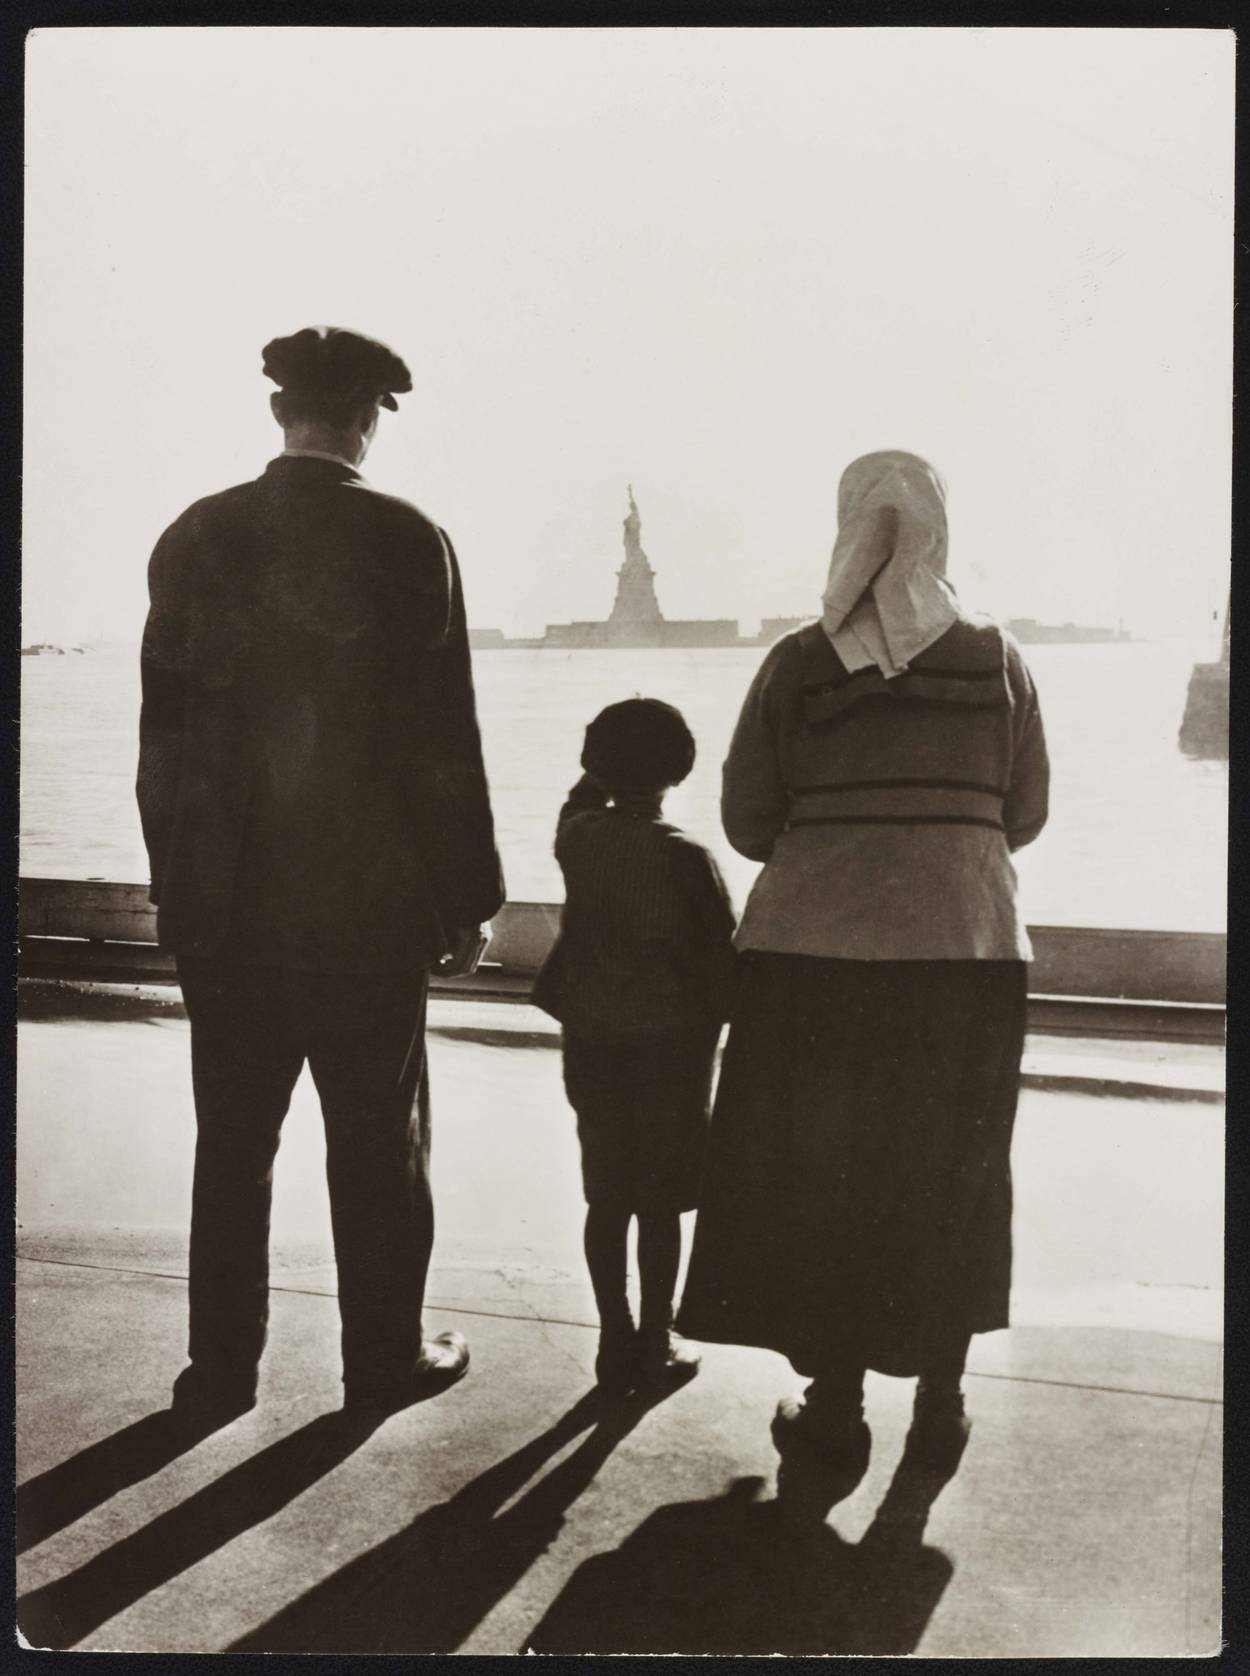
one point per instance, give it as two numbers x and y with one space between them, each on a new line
640 742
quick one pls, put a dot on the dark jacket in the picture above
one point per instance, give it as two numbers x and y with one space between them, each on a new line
310 771
646 935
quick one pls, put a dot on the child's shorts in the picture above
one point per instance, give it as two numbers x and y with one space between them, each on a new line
642 1116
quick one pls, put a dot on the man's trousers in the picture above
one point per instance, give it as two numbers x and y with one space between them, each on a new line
252 1029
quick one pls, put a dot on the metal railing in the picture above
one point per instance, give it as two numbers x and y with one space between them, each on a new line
1165 985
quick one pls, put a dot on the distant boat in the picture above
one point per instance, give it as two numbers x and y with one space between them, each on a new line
1204 726
49 648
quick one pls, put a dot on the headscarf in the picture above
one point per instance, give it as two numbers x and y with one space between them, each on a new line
886 598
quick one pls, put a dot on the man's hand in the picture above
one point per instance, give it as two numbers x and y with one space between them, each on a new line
468 944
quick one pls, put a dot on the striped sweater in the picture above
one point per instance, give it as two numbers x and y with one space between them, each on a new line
885 811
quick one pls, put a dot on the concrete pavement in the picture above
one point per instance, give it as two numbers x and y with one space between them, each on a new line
511 1513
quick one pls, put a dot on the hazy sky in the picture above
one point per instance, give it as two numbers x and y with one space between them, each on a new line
716 263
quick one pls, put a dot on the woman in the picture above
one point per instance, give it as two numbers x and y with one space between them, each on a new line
856 1210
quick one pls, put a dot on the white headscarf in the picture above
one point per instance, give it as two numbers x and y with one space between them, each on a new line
886 598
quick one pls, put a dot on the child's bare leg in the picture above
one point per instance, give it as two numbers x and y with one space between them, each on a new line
659 1256
606 1246
606 1237
665 1359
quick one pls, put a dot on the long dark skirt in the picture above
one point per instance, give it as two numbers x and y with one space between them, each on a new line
856 1202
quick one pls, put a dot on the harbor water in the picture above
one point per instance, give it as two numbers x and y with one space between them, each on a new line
1137 835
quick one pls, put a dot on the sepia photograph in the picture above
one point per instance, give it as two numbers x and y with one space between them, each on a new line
624 789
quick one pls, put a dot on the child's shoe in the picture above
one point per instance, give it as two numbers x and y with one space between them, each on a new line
666 1360
616 1365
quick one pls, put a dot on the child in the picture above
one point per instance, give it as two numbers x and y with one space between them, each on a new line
640 979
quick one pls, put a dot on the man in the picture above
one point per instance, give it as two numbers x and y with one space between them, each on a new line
319 829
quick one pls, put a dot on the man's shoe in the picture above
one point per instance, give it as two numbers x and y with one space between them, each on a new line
666 1360
442 1363
201 1398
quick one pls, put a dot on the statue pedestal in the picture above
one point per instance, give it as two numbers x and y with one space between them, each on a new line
1204 730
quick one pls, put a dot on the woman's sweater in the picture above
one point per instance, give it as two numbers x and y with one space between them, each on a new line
885 811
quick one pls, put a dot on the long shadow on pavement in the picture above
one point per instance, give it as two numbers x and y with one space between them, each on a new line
425 1588
61 1613
72 1488
730 1576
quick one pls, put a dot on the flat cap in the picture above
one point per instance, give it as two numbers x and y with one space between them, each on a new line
331 360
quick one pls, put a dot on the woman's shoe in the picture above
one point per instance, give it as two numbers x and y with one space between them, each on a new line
666 1360
823 1459
939 1429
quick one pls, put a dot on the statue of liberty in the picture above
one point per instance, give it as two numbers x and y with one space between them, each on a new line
636 606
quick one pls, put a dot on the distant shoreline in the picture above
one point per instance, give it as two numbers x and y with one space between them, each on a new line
678 637
486 640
